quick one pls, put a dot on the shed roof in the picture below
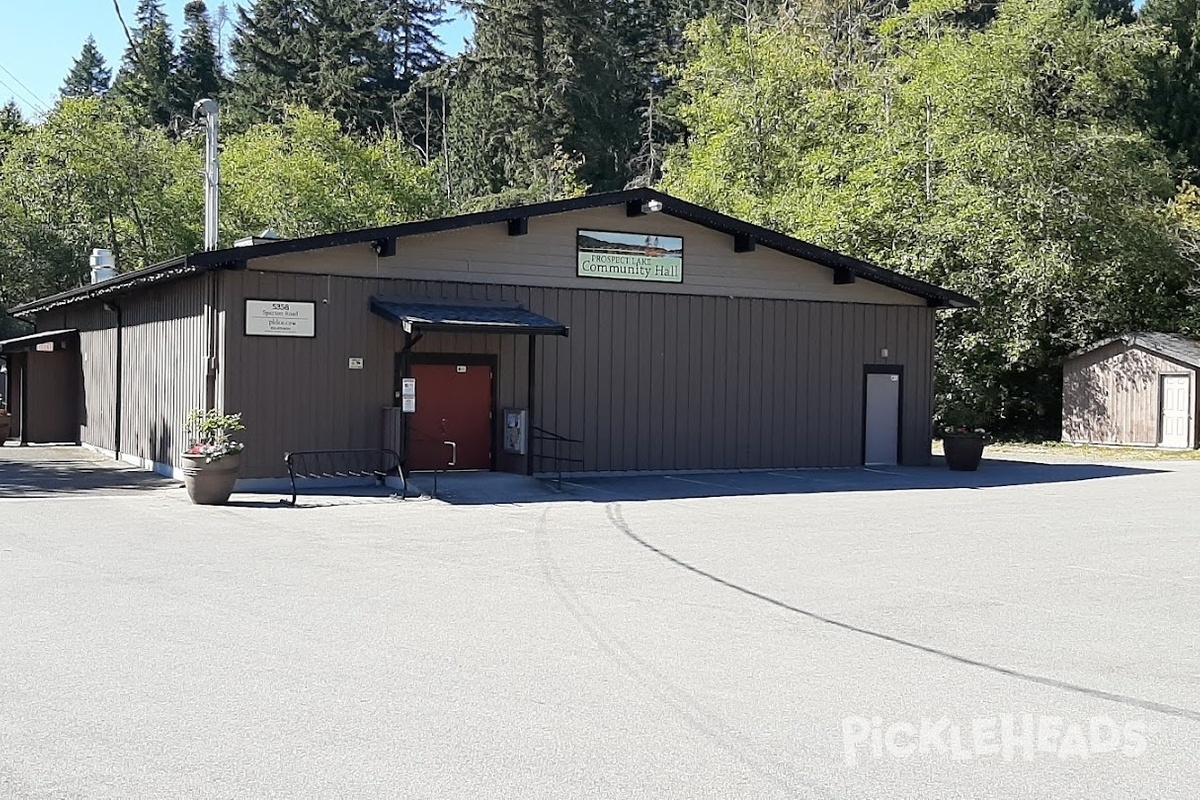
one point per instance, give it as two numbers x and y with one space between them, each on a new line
845 268
1173 346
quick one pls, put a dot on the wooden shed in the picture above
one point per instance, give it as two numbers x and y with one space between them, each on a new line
1138 389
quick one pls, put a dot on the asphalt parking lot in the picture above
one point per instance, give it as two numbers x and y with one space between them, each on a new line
1032 630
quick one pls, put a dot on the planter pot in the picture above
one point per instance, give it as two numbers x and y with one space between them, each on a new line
963 453
210 484
5 427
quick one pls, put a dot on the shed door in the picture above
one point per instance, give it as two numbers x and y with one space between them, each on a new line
882 444
1176 396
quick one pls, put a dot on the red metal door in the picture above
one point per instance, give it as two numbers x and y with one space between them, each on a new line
454 404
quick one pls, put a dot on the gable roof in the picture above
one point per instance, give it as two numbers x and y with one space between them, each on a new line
233 258
1173 346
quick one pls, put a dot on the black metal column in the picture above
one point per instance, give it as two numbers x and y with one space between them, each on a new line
530 370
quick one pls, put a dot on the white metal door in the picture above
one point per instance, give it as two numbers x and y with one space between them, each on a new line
1176 415
882 433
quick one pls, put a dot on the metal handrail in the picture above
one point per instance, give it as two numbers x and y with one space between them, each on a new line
424 437
538 434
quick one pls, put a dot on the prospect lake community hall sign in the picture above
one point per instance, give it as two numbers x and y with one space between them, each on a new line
577 335
630 256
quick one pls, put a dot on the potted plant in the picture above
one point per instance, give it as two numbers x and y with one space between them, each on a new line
210 463
963 447
5 425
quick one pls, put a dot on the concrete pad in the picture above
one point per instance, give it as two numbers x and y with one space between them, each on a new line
40 471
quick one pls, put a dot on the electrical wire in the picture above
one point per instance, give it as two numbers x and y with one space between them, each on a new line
28 96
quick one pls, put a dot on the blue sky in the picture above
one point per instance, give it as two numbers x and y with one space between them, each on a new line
40 38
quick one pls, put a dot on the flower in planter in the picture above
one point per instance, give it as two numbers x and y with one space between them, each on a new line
209 430
963 430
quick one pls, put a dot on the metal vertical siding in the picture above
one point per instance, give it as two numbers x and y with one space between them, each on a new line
648 382
97 347
165 346
769 392
164 340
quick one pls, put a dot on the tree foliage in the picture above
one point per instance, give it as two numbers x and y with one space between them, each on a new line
90 175
303 177
1172 107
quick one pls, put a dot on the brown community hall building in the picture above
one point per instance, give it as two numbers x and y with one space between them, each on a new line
654 333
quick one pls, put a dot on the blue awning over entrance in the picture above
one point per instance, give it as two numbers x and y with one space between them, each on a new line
465 317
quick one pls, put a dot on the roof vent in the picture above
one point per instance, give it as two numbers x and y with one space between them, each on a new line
103 266
268 235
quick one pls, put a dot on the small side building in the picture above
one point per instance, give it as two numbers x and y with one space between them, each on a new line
1137 390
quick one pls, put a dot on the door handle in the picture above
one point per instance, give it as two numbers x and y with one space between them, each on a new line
453 453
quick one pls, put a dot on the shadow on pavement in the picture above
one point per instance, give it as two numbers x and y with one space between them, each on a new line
52 471
32 472
494 488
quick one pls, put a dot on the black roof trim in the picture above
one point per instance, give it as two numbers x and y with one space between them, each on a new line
30 341
230 257
175 267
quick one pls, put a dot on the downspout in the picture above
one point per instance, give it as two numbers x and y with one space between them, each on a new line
405 370
24 399
119 393
213 332
530 394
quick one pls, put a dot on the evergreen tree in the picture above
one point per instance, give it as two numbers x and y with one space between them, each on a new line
325 54
268 62
146 80
351 66
517 93
409 31
89 75
199 73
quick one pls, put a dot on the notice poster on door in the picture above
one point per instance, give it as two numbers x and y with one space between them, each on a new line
630 256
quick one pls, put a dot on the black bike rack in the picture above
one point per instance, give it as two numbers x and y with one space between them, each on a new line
318 464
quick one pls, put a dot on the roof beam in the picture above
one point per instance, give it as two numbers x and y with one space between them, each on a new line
743 243
937 302
635 208
386 247
842 275
518 226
